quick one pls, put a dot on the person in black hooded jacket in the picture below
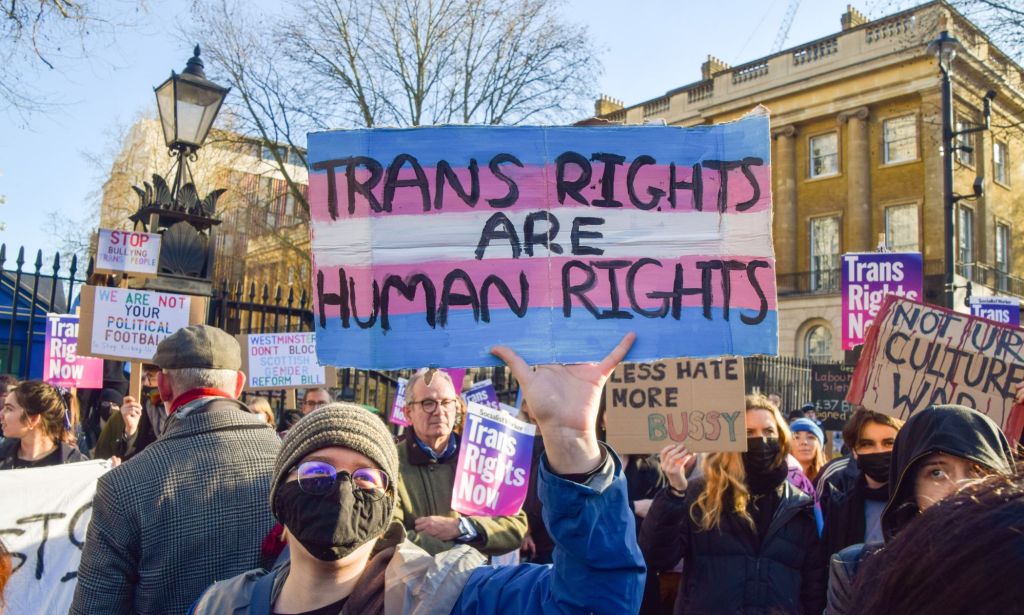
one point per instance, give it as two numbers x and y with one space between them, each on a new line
939 450
747 537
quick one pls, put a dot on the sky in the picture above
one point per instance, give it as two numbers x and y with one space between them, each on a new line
647 48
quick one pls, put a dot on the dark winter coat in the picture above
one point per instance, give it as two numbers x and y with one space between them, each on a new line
726 570
9 453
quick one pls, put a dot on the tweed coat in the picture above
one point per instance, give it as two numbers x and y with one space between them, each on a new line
190 509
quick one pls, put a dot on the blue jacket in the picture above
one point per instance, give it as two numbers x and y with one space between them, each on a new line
598 566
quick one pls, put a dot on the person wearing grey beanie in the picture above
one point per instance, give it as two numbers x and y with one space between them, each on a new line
333 490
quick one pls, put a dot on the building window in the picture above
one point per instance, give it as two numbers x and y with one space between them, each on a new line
1002 255
900 136
965 233
268 153
901 228
825 155
964 144
295 158
818 344
824 253
999 152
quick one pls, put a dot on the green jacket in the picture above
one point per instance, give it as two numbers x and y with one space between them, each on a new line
425 489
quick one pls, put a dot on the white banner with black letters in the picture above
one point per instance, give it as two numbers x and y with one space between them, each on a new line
43 519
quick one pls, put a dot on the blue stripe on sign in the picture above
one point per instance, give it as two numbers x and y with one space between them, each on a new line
466 343
535 146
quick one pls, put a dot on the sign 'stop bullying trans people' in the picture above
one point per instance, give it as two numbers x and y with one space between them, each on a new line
430 245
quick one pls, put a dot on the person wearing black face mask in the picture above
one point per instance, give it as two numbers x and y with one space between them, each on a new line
333 489
852 511
747 537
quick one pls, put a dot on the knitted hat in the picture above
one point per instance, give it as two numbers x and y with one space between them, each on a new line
809 426
338 424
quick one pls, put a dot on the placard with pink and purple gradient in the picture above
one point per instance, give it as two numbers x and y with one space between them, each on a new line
430 245
494 463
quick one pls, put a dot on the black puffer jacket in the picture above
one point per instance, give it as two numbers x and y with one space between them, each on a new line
727 570
9 453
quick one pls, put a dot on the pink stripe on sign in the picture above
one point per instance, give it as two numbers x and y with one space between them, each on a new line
537 189
647 279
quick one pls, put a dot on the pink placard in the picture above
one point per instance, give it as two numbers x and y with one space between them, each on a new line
61 364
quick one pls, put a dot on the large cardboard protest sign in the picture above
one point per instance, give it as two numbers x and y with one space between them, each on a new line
274 361
867 279
43 521
127 324
1004 310
917 355
61 364
430 245
493 471
127 252
699 403
829 386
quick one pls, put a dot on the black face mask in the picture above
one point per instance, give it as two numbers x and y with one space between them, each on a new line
875 465
333 525
761 462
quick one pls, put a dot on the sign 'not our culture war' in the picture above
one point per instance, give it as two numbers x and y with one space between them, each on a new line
917 355
430 245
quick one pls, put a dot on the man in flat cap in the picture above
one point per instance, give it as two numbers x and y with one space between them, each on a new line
192 507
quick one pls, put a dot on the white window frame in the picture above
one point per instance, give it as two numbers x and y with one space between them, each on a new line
965 256
824 277
811 157
1000 164
807 343
889 245
965 158
886 142
1003 239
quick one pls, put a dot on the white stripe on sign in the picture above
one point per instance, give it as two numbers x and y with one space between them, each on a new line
626 233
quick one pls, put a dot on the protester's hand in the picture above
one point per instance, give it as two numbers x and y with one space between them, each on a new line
528 548
642 507
674 459
115 461
131 410
1018 397
441 528
564 400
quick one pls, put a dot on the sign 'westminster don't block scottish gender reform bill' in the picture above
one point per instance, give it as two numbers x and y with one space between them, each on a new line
431 245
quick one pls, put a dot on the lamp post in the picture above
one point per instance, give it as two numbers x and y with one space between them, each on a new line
945 48
188 103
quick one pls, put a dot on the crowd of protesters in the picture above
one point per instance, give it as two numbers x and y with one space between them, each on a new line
217 505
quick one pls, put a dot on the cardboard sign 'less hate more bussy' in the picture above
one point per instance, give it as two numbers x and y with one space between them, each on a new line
698 403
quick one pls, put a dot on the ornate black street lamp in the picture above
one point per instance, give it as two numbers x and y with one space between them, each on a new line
188 104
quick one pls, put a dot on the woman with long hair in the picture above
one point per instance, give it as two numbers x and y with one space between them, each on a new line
36 420
747 537
808 447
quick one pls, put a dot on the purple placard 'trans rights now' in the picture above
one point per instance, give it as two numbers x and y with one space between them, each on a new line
494 463
867 278
483 393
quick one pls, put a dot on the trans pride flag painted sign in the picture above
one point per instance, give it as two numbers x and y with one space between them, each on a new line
430 245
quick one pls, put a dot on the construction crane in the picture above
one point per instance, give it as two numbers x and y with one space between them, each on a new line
787 23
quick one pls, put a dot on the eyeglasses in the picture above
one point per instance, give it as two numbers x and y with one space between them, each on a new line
314 403
431 405
318 478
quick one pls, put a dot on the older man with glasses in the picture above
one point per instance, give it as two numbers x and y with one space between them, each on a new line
427 461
